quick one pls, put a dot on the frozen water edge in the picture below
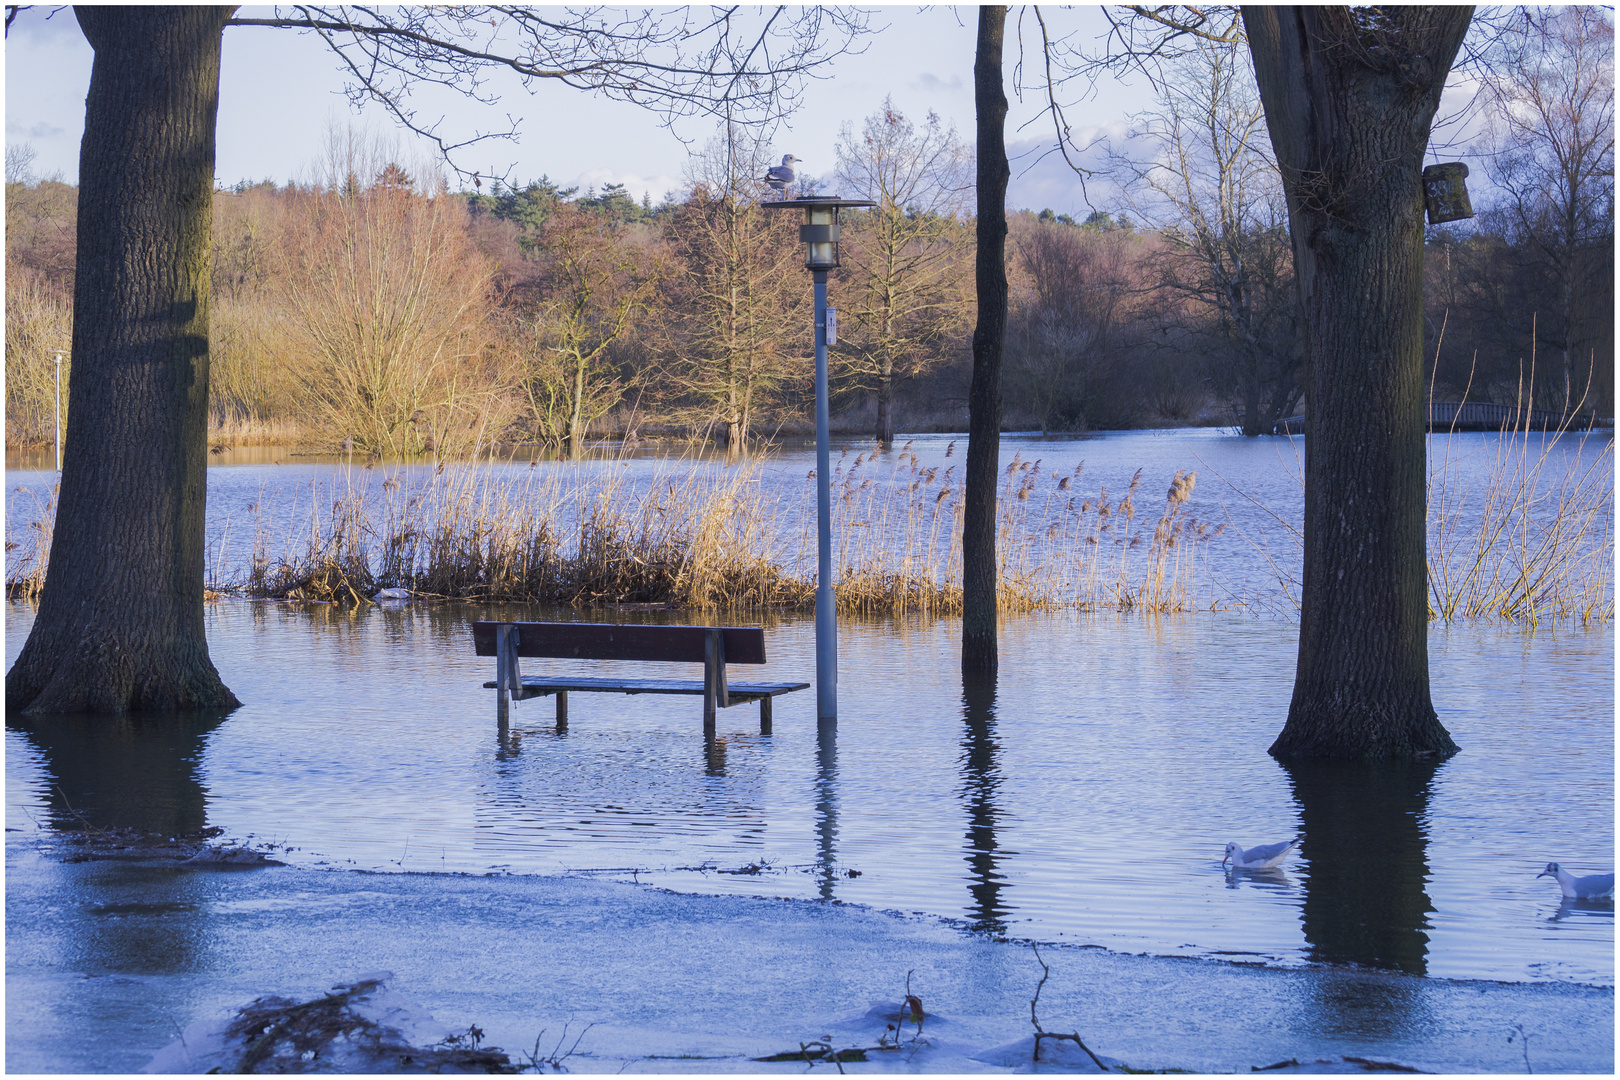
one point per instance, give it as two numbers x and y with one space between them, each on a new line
107 962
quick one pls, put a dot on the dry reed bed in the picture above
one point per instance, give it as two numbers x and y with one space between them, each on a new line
706 539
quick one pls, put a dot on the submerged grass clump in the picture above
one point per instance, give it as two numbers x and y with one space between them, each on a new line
704 538
580 537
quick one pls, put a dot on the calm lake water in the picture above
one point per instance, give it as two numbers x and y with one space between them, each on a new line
1086 796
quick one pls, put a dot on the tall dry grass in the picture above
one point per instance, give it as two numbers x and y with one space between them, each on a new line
572 536
1536 542
708 538
28 556
1533 541
898 540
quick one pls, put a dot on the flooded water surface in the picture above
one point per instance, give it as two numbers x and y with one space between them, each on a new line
1085 796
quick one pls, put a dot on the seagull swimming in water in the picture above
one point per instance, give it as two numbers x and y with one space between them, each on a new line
780 176
1591 887
1263 857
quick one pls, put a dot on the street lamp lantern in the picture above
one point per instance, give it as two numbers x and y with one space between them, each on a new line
820 228
820 234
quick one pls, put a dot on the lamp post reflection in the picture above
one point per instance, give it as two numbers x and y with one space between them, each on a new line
1367 845
826 806
980 779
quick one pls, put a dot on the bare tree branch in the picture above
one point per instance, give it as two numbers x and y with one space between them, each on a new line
749 64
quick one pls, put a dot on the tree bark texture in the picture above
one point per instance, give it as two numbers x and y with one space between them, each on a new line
989 335
120 624
1349 99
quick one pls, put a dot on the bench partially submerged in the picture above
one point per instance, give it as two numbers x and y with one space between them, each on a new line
712 646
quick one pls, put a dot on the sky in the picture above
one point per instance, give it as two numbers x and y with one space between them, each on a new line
281 92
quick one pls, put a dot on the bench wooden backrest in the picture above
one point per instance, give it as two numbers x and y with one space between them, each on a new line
599 641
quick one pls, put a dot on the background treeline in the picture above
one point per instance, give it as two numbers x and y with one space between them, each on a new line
371 307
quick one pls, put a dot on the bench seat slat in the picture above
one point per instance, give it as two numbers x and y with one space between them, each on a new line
622 641
740 692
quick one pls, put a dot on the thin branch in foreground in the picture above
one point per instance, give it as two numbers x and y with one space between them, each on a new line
1042 1033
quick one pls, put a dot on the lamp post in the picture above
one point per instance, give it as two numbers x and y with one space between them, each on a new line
820 232
57 355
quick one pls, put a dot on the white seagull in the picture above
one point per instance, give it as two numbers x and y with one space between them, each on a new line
780 176
1591 887
1263 857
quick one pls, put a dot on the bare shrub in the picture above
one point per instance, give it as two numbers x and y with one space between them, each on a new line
389 299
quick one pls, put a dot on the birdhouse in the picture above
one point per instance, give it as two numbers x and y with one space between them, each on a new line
1445 195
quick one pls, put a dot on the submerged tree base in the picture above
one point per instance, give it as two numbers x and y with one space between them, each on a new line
1348 729
152 673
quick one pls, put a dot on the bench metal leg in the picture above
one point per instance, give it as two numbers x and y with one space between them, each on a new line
765 715
562 710
508 678
714 678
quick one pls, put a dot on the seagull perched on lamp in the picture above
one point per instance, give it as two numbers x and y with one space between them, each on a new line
778 177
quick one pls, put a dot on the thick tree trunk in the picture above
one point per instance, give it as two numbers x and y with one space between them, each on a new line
885 404
120 625
1253 422
1349 98
984 394
576 418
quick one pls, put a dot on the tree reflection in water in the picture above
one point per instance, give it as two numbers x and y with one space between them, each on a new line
980 779
1366 840
110 773
122 773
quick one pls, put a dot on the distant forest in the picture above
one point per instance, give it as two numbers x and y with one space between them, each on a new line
374 308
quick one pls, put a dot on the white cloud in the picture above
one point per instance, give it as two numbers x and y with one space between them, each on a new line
930 83
653 187
17 130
